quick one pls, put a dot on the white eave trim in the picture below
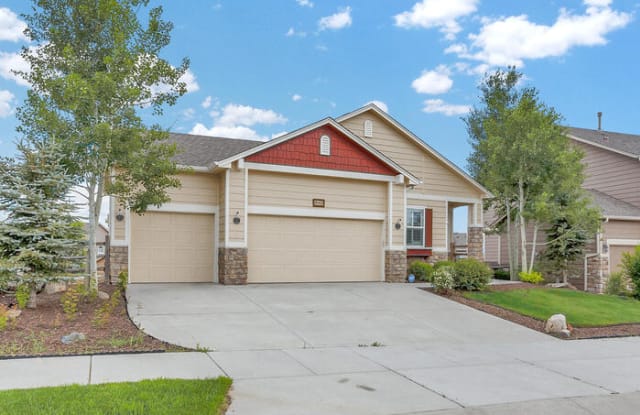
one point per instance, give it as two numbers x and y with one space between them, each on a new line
197 169
184 208
624 242
629 218
418 141
327 121
441 198
603 147
316 212
320 172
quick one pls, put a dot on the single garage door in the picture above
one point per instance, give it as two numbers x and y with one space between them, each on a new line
296 249
172 247
615 256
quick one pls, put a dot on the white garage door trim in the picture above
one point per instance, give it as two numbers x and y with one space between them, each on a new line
254 251
185 209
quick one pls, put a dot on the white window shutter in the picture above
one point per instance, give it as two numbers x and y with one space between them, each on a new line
325 145
368 128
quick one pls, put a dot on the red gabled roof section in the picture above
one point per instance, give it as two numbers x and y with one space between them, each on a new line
304 151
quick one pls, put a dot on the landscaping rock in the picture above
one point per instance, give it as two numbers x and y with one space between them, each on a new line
55 287
566 333
556 324
73 337
103 295
14 313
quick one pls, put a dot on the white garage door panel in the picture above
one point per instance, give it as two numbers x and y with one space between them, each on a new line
172 247
293 249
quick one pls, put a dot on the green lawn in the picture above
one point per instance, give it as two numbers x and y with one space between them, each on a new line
148 397
581 309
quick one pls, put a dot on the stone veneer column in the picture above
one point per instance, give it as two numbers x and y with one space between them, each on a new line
118 260
395 266
475 243
232 266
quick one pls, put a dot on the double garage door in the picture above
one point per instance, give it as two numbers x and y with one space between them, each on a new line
179 247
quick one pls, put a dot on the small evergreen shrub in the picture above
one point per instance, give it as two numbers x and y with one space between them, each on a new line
531 277
443 280
123 279
23 293
631 267
71 298
501 274
471 274
422 270
441 264
617 284
4 318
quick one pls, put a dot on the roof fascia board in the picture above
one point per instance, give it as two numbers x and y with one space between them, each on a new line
613 150
624 218
417 140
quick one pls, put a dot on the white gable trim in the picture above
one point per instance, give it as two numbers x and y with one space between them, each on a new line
327 121
278 168
417 140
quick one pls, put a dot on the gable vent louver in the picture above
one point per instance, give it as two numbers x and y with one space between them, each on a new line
368 128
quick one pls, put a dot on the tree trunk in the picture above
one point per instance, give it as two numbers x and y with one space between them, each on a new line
33 298
512 256
533 246
523 227
91 248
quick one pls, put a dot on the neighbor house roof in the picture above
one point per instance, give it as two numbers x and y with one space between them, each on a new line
626 144
203 151
612 207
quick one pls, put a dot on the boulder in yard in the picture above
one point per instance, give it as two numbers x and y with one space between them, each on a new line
55 287
73 337
103 295
556 324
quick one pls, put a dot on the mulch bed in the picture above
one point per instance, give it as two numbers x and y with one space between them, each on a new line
38 332
619 330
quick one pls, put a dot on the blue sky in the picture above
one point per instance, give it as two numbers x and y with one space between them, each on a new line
260 68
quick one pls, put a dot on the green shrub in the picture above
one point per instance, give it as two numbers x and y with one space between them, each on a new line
501 274
123 279
3 317
471 274
23 293
617 284
631 267
443 279
441 264
531 277
422 270
71 298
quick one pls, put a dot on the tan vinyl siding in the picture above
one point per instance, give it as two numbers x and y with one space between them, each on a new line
615 256
611 173
236 204
297 191
398 235
118 227
221 211
439 231
492 249
438 179
619 229
197 188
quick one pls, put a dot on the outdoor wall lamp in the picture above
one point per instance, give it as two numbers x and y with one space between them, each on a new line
399 224
119 215
236 218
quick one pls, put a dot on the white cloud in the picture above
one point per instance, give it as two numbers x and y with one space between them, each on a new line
290 32
15 62
207 102
379 104
234 121
513 39
189 78
305 3
6 101
436 81
336 21
188 113
11 27
438 106
296 97
437 13
280 134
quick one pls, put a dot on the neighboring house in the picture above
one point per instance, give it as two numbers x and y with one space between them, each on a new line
101 238
460 244
612 169
347 199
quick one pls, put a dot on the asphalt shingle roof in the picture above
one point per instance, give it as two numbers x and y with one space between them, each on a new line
628 143
613 207
202 151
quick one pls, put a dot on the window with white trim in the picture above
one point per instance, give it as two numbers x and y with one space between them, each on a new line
415 227
325 145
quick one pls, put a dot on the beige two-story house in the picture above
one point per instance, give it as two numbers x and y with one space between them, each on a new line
352 198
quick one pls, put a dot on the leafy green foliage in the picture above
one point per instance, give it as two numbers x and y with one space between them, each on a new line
4 318
422 270
94 67
617 284
631 267
39 241
443 279
471 274
582 309
123 279
149 397
444 263
23 292
532 277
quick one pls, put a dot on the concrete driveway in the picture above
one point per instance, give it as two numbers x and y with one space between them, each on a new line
311 348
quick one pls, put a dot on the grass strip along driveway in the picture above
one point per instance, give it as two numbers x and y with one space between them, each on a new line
148 397
581 309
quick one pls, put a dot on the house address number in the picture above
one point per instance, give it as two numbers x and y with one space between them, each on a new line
317 203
